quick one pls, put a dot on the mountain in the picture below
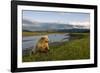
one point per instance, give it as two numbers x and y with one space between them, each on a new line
46 26
73 30
53 27
26 30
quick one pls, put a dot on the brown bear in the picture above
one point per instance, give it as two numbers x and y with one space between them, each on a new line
42 45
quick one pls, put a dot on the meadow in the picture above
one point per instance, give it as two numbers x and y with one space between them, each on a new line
78 47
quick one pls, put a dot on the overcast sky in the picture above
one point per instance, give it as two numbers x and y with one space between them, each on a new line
57 17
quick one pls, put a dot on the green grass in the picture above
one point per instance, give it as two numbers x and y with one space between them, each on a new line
75 49
38 33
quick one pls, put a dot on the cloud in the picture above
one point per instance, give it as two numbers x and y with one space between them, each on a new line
26 21
85 24
29 23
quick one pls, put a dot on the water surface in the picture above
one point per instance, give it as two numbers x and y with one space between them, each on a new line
30 41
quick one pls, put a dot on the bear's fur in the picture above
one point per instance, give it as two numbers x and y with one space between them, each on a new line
42 45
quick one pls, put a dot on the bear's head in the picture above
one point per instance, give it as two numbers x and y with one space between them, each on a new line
44 39
42 44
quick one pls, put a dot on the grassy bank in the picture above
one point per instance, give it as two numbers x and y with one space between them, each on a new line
29 33
38 33
77 48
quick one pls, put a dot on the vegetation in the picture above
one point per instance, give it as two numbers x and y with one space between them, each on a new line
78 47
38 33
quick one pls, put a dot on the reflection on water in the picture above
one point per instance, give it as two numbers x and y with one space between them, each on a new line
30 41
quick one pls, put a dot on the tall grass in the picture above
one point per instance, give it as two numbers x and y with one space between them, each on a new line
75 49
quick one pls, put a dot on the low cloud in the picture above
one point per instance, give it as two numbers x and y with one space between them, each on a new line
26 21
85 24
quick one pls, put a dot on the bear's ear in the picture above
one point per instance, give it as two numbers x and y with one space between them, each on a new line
42 38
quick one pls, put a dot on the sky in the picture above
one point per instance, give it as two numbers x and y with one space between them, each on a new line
73 18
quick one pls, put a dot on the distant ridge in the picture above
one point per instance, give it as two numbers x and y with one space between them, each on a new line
54 27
